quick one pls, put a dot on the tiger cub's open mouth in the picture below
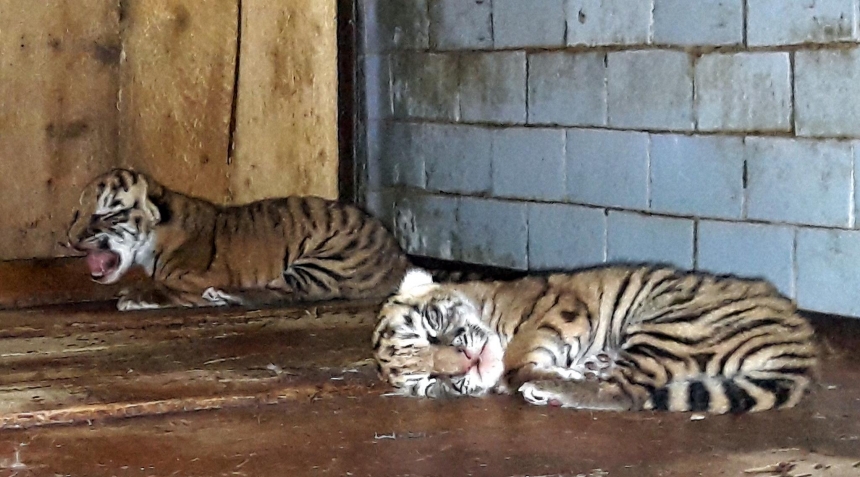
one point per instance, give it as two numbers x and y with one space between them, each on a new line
102 263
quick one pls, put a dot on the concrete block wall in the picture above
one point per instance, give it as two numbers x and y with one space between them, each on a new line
719 135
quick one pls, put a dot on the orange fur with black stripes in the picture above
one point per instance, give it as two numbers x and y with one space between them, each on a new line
201 254
607 338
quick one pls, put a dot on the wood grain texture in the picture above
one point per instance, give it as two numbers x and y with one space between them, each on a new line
286 130
87 362
58 121
176 92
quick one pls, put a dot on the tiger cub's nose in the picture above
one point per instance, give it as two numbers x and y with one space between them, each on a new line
452 361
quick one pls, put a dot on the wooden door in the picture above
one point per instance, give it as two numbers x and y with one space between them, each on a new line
231 100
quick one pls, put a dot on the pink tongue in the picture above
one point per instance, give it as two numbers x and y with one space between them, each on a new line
101 262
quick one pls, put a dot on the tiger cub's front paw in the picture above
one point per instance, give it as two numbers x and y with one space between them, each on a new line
137 299
217 297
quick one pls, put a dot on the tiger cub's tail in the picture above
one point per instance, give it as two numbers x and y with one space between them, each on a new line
446 271
747 392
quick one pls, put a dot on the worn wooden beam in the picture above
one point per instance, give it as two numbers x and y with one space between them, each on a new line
176 91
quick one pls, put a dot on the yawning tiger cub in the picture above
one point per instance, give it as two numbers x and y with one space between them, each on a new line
199 254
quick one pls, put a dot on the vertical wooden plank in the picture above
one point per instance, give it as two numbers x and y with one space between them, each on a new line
176 91
58 83
286 116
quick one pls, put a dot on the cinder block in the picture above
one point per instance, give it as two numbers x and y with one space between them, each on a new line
744 92
650 89
827 278
456 158
827 92
607 168
460 24
425 86
781 22
493 232
636 238
493 87
567 88
564 237
381 204
853 218
799 181
388 25
748 250
369 150
425 225
529 163
608 22
395 155
533 23
702 22
377 86
699 176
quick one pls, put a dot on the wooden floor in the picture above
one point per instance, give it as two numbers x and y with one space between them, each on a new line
89 391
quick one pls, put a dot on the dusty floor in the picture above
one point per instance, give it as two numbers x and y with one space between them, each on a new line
88 391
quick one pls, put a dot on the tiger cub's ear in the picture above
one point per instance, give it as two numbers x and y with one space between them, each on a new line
415 278
148 203
151 203
152 211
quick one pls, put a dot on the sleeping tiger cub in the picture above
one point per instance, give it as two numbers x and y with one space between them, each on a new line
201 254
607 338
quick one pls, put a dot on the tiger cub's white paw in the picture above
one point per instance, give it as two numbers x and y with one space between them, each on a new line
218 297
125 304
130 304
533 393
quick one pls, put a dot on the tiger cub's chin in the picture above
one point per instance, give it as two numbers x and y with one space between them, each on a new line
608 338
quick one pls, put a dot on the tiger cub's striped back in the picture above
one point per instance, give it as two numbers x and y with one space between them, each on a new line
605 338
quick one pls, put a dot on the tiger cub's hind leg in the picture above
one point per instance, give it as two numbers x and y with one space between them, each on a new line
597 367
591 395
605 386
